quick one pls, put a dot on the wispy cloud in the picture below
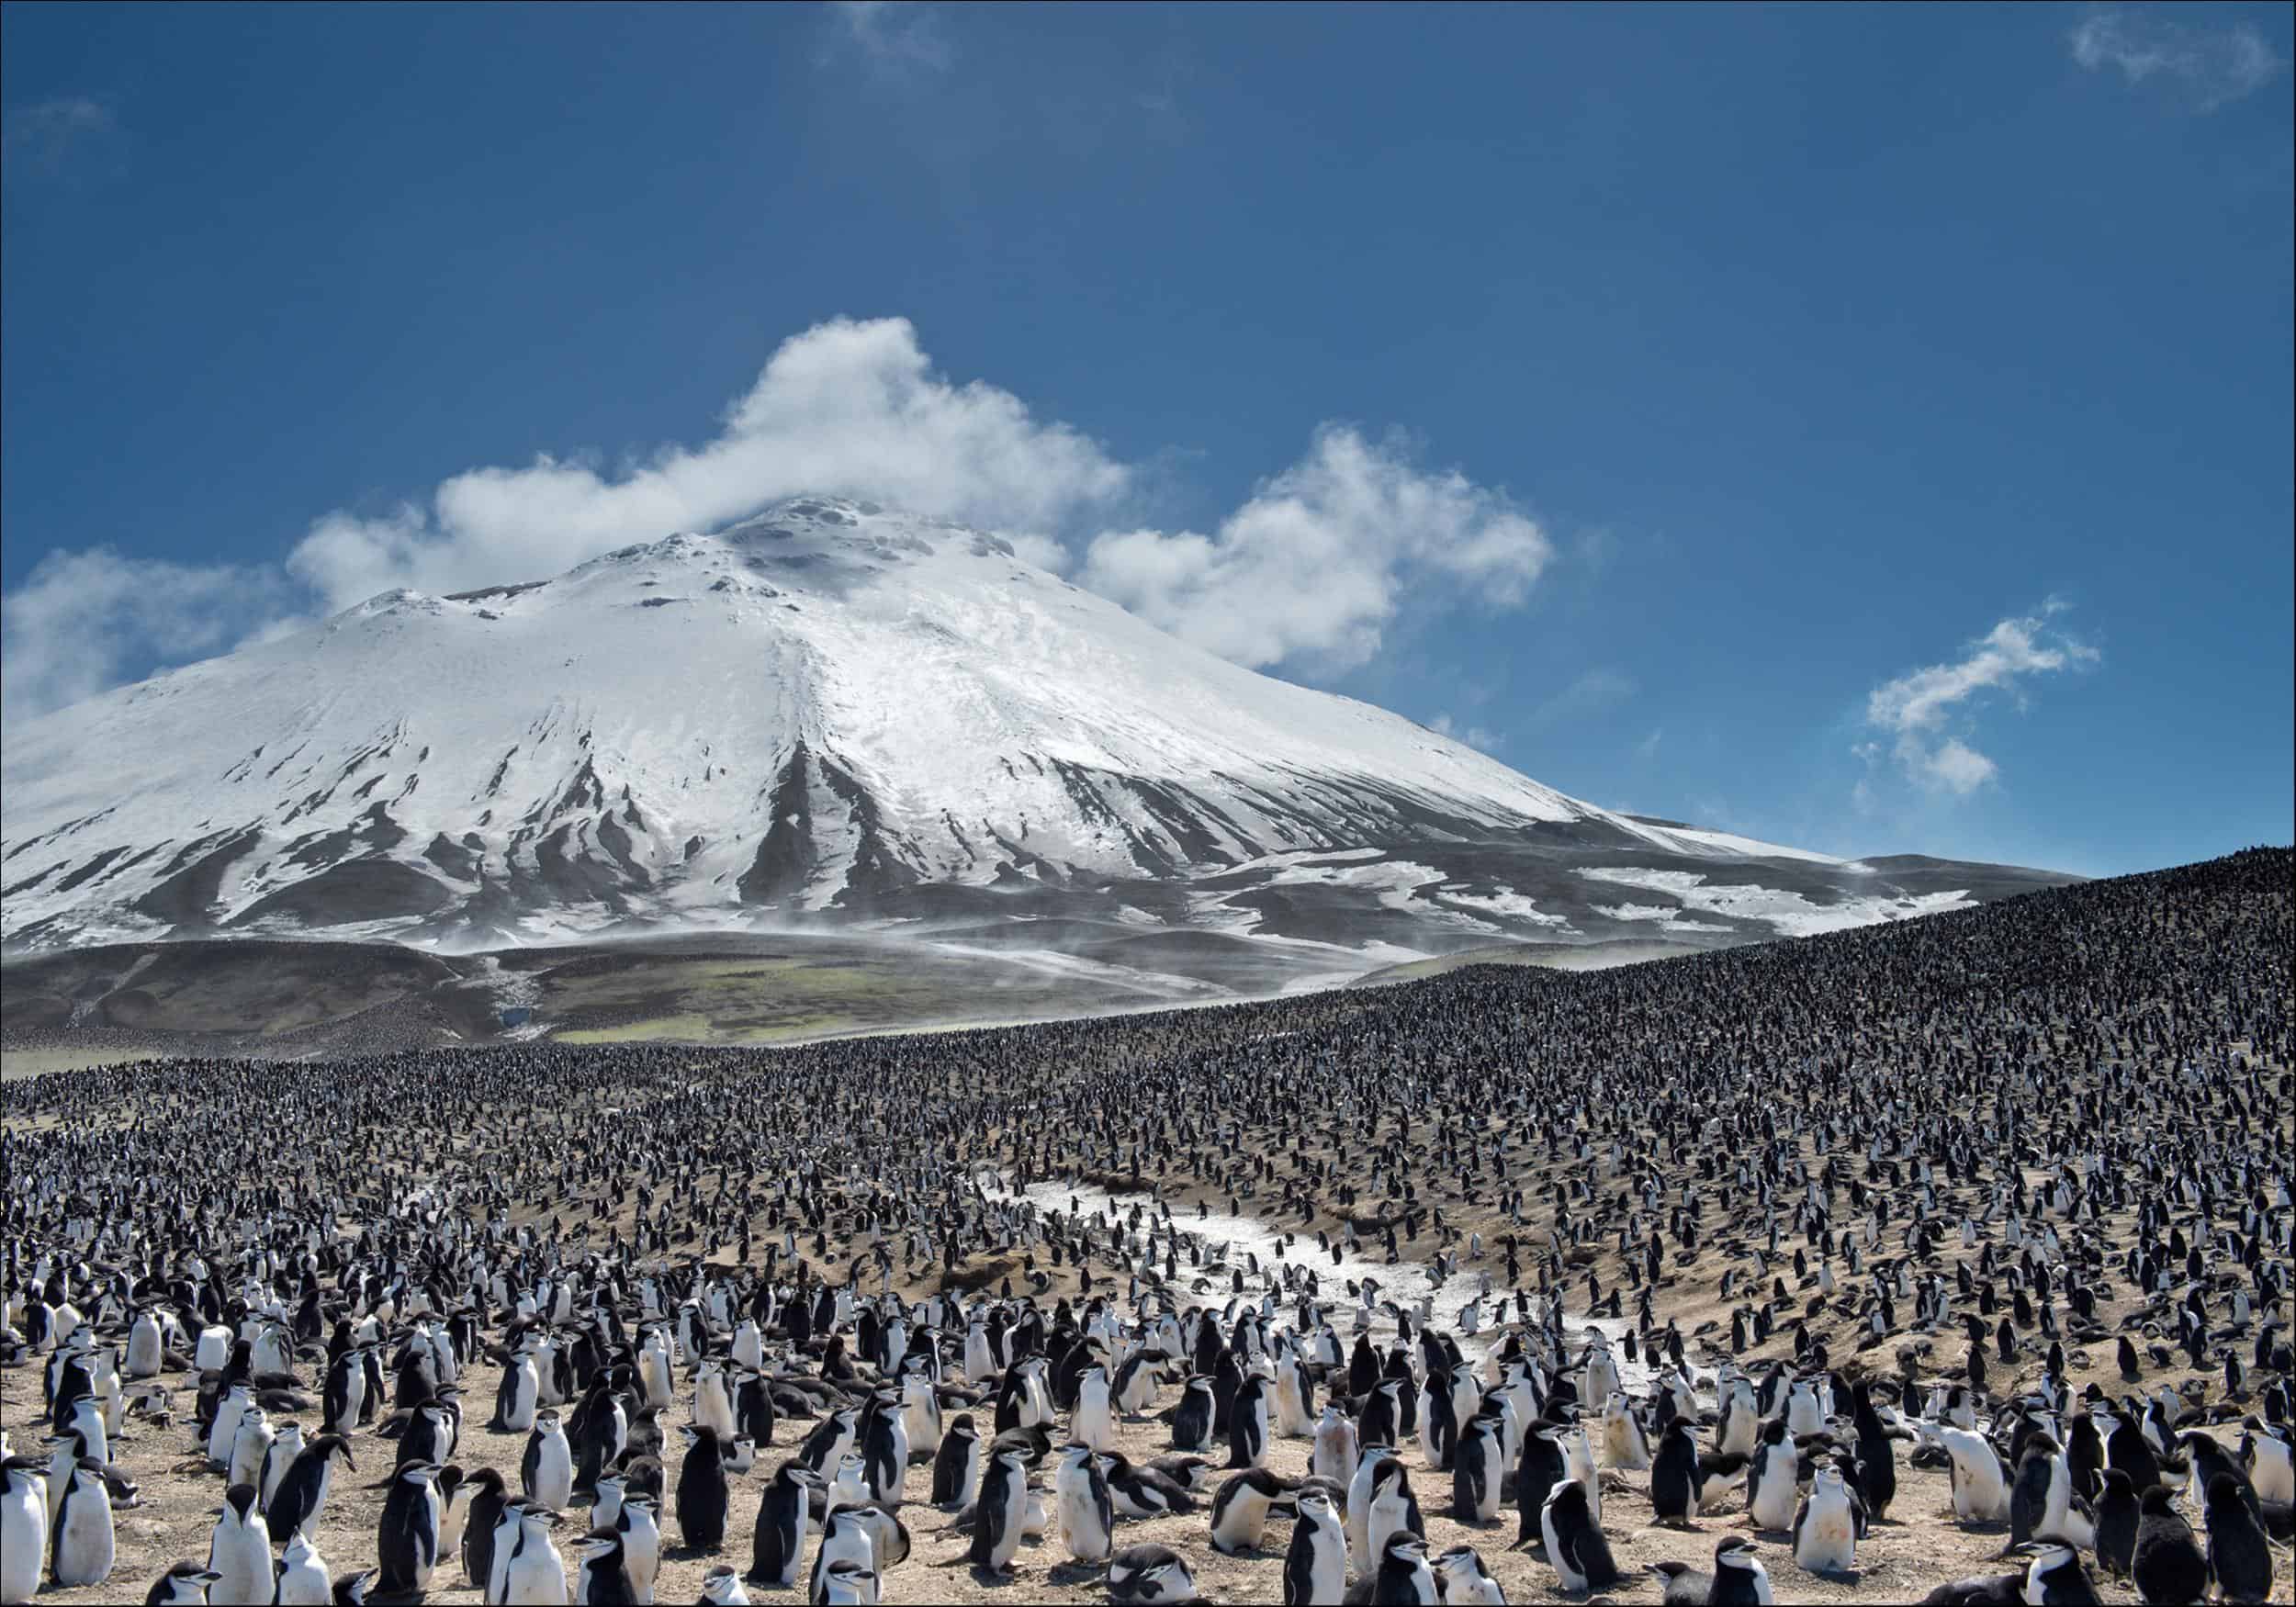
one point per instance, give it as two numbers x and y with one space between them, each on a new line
1648 746
1309 573
50 139
1473 735
1314 567
82 621
1916 710
850 407
1590 693
895 37
2211 66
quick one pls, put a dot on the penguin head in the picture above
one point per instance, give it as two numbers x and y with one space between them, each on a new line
188 1582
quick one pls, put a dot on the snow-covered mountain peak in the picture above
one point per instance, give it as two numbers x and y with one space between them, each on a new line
828 711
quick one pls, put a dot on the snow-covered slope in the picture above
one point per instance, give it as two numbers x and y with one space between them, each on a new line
830 712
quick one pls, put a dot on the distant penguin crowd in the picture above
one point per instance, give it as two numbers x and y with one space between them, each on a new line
1998 1198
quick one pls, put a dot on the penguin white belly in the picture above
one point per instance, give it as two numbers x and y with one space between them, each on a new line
525 1397
1388 1515
1569 1578
1827 1543
553 1473
23 1537
242 1556
641 1549
535 1578
1080 1523
1774 1497
301 1584
84 1541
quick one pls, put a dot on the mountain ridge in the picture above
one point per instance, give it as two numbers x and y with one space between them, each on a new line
827 714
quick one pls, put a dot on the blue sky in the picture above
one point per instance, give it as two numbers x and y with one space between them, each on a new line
1868 428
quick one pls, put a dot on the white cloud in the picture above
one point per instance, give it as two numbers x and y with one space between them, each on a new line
1473 735
1309 573
896 38
2212 65
850 407
45 138
81 622
1915 707
1590 693
1314 567
1648 746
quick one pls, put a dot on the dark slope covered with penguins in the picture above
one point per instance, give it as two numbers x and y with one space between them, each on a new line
2003 1190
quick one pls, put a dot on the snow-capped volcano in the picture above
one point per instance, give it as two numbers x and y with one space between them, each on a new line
829 712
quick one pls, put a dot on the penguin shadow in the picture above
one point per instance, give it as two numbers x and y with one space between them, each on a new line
1077 1573
990 1579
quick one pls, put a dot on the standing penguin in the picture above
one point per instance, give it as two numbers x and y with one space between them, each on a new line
1537 1472
600 1577
80 1528
1826 1527
1247 1425
1478 1470
956 1463
1379 1420
1335 1454
546 1471
1315 1564
1403 1575
301 1579
1675 1475
885 1448
1877 1466
2239 1560
301 1495
2168 1565
778 1545
998 1514
1192 1418
2118 1516
528 1570
23 1527
407 1534
702 1494
1576 1547
1091 1421
239 1551
1773 1477
1086 1511
285 1447
845 1542
343 1397
480 1517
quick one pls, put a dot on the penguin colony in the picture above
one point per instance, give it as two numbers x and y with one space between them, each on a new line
1950 1260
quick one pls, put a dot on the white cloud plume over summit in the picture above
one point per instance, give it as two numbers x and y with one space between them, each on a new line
848 408
1309 573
